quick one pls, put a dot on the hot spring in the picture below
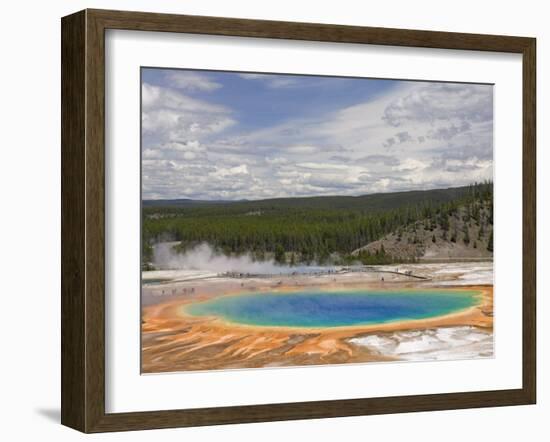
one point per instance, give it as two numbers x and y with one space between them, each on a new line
322 309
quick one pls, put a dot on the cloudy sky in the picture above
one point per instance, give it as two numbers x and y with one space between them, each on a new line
223 135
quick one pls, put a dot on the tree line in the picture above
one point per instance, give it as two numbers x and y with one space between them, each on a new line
293 234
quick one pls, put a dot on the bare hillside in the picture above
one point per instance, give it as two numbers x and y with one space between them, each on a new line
464 234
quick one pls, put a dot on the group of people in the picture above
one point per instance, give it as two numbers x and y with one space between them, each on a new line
174 292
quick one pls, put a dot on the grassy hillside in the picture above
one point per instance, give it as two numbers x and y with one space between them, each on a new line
303 230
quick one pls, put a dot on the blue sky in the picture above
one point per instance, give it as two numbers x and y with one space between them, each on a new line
226 135
273 99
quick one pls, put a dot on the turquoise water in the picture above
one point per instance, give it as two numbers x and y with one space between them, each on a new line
334 309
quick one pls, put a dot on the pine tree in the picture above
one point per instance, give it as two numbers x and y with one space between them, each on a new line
466 235
280 254
454 235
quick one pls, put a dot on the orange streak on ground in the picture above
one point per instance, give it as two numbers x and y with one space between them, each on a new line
174 341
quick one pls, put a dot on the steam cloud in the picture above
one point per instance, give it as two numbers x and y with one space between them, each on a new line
204 257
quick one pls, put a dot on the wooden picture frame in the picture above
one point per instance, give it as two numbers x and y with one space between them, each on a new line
83 220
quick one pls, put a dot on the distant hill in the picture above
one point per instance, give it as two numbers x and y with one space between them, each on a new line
375 201
185 202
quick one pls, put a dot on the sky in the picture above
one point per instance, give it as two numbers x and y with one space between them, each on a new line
213 135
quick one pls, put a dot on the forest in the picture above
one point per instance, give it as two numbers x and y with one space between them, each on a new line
306 230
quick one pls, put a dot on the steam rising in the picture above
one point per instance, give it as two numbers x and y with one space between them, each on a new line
204 257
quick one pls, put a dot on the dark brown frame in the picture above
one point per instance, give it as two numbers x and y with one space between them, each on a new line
83 217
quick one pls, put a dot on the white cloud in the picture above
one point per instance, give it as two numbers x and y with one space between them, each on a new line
169 115
276 160
272 81
157 97
418 136
302 150
410 164
252 76
191 81
442 101
237 170
385 160
323 166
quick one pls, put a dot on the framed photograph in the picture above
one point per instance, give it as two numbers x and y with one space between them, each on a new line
269 220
